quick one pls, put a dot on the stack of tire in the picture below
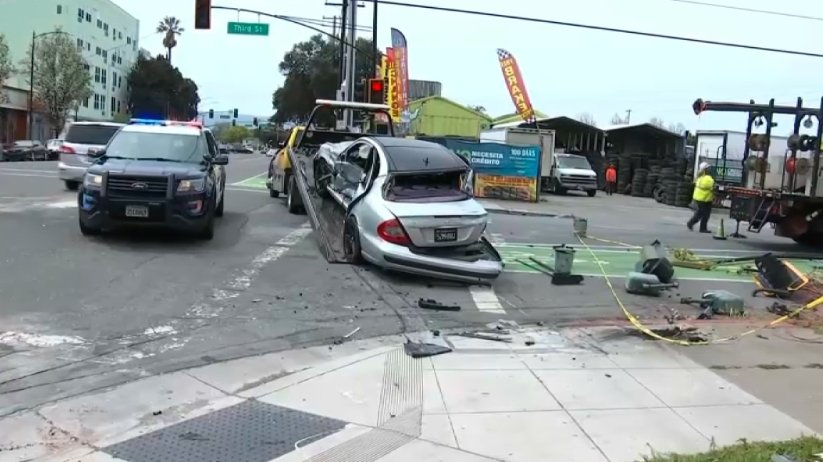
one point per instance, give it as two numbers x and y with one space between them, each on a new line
624 173
652 179
639 182
666 186
683 193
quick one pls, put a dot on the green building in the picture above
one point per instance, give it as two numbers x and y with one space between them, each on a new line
438 116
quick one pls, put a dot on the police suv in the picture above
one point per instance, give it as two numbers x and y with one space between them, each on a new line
155 173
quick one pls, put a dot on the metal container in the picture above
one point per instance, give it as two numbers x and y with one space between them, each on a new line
654 260
563 259
580 226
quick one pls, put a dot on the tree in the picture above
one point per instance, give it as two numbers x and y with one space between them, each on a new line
6 67
311 69
234 134
171 27
159 88
480 109
657 122
678 128
60 78
587 118
617 120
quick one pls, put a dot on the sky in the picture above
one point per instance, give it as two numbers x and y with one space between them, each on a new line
567 71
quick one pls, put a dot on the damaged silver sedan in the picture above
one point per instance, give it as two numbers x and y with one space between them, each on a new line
409 207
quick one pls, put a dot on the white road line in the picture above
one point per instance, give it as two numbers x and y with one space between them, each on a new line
27 170
38 175
64 204
486 300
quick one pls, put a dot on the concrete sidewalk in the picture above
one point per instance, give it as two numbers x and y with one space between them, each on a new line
583 394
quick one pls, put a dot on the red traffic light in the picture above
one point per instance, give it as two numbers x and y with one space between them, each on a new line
202 14
376 85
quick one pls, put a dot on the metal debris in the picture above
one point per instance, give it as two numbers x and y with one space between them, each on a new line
424 350
486 336
431 304
346 337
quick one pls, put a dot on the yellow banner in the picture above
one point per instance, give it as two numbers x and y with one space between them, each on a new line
392 97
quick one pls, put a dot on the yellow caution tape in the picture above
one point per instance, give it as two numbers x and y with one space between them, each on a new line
642 328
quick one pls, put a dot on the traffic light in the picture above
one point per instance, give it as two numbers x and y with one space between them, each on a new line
254 122
233 122
202 14
360 91
235 113
211 113
377 91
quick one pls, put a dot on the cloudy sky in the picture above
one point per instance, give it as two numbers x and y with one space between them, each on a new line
567 70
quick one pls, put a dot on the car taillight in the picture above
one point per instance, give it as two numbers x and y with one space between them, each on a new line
392 231
67 150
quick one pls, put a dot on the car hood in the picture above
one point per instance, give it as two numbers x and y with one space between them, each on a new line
146 168
576 171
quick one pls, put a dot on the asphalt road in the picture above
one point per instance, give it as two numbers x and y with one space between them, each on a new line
78 314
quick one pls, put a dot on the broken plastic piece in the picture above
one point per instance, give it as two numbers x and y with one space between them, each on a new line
430 304
424 350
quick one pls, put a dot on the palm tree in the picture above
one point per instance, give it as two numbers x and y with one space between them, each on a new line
171 27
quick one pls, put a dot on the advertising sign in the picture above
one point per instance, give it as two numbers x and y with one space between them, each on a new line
515 85
501 171
401 63
391 85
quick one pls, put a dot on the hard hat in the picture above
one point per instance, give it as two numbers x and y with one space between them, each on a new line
703 166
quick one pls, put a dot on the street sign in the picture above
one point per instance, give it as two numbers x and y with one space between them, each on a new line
248 28
225 116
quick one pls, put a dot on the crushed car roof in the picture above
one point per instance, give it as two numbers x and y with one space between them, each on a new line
408 155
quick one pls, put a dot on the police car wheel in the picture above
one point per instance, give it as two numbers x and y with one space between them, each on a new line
72 185
207 233
218 212
87 230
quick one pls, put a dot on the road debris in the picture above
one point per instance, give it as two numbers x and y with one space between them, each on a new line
646 284
654 260
494 337
717 302
431 304
424 350
346 337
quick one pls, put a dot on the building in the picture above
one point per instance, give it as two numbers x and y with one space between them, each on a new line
419 89
438 116
646 139
106 35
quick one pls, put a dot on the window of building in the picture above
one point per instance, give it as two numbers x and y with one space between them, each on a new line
99 23
105 54
120 35
88 17
80 44
80 14
128 40
88 46
96 101
59 9
98 51
86 102
103 77
113 104
119 81
86 67
96 74
106 29
119 60
118 105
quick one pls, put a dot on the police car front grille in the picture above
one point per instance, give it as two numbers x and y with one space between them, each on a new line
133 186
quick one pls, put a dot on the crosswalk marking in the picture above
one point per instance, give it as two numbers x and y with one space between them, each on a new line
486 300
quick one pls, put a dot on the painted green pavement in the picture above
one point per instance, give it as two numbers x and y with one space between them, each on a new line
255 182
618 262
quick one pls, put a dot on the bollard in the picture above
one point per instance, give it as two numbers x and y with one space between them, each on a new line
580 225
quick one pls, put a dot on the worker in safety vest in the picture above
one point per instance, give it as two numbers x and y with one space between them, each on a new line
611 179
702 198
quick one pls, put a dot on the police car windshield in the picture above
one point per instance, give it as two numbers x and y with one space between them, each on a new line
156 146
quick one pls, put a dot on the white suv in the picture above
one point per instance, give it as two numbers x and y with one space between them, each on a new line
78 139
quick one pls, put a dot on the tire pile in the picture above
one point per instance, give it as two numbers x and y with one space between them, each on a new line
639 181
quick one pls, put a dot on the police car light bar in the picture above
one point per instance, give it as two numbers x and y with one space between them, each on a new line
165 123
351 104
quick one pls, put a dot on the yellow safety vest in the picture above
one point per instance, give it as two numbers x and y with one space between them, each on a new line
704 189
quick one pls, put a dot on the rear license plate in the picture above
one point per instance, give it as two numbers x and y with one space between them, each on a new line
137 211
445 235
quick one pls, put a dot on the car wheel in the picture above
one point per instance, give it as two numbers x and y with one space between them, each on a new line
207 233
351 242
72 185
320 185
218 212
291 200
86 230
591 192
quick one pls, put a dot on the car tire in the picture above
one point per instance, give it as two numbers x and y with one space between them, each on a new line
291 203
72 185
207 233
218 212
86 230
351 242
320 186
591 192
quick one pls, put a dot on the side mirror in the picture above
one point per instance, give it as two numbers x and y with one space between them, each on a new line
95 153
221 159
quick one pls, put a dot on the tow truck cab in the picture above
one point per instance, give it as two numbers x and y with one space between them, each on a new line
280 165
155 173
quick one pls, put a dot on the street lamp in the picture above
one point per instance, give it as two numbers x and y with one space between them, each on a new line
35 36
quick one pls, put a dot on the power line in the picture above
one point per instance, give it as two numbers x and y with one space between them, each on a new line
751 10
592 27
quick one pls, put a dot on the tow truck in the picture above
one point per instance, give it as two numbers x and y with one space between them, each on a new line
325 216
778 188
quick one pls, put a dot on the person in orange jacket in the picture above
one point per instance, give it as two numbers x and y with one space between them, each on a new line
611 179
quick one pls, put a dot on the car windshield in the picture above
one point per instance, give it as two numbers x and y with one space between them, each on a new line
138 145
90 134
573 162
427 187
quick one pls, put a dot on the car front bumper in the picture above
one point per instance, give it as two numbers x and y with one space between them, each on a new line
176 214
399 258
70 172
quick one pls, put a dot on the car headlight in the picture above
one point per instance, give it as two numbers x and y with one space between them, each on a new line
196 185
92 180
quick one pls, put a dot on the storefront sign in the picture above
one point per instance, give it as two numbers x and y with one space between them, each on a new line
501 171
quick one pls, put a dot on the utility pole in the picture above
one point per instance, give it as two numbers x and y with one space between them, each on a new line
343 22
31 86
375 60
628 116
350 66
333 24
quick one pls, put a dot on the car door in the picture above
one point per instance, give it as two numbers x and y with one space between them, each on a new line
350 168
218 171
